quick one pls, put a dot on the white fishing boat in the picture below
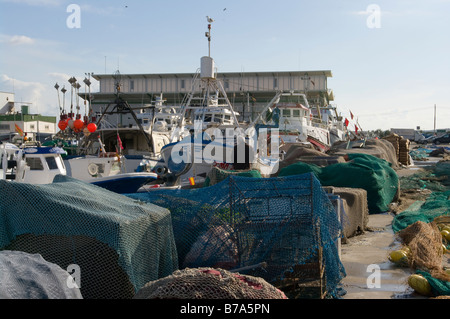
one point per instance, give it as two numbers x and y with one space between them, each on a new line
218 138
40 165
33 165
294 118
334 122
107 170
139 139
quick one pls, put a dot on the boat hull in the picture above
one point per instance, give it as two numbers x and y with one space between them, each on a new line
125 183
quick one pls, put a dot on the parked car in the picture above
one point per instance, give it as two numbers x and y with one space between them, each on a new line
444 139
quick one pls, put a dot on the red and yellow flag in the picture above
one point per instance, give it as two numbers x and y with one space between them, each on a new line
19 130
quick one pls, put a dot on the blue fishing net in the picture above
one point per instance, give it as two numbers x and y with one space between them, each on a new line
242 222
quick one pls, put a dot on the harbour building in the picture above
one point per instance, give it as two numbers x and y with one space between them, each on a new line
248 92
17 124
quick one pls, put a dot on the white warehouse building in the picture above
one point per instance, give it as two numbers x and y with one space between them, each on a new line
248 92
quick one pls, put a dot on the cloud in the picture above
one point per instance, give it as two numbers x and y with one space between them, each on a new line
20 39
60 77
27 92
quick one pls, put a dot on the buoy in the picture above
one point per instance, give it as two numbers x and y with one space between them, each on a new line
446 234
70 123
398 256
62 125
78 124
420 284
92 127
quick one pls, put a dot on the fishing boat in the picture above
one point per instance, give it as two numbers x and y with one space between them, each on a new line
39 165
294 118
139 140
334 122
107 170
34 165
217 138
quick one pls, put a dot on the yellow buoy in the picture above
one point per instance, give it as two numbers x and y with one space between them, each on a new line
406 250
420 284
398 256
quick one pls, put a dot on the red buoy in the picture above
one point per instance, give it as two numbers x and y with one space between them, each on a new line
78 124
62 125
92 127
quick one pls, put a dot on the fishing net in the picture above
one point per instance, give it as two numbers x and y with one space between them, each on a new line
118 243
379 148
419 225
244 222
216 175
424 241
425 179
436 204
364 171
439 287
209 283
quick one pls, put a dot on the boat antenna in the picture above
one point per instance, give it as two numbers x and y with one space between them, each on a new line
72 81
63 90
87 83
59 99
208 34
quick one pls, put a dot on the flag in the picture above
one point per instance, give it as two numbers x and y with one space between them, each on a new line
346 122
19 130
119 141
191 181
356 129
351 115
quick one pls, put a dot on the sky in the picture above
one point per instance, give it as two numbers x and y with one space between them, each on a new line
390 59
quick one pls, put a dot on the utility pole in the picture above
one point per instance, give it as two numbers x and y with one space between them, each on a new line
435 119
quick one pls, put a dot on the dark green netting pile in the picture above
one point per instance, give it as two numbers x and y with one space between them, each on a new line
437 204
364 171
119 243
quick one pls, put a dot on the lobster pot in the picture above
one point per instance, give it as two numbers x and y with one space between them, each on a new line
207 68
115 244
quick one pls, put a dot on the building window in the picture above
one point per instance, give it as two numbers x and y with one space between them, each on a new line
275 83
226 84
131 85
183 84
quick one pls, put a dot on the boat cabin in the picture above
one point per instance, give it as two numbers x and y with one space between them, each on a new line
34 165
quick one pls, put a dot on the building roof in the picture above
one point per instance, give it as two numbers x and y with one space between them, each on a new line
326 73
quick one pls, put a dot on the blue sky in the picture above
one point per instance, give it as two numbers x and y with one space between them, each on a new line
389 69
